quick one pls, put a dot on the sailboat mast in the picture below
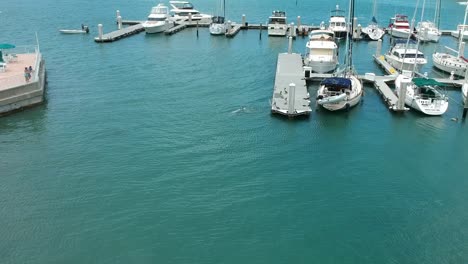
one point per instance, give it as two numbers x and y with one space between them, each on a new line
374 11
462 32
422 12
224 9
349 63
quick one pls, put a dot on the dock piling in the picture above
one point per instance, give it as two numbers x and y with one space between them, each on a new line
117 14
100 30
190 18
291 98
119 22
290 45
291 30
402 94
243 20
260 35
197 29
378 50
299 23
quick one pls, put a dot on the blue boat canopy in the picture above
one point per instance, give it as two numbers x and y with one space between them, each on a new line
337 82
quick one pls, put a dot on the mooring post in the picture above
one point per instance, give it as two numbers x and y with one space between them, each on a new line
402 94
117 14
100 31
290 45
243 21
197 29
299 23
190 18
291 95
291 30
119 22
379 48
354 29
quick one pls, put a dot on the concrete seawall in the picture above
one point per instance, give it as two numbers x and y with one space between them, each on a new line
23 96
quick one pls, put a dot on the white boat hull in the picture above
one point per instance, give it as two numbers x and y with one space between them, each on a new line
373 32
456 34
73 31
277 30
322 66
153 28
339 103
449 63
428 36
217 29
400 33
428 106
407 65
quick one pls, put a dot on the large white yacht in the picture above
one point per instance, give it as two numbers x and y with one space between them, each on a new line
423 95
322 51
427 31
337 23
158 20
400 27
345 90
277 25
405 57
182 9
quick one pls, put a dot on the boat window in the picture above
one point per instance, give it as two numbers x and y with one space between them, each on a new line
277 21
321 52
412 56
156 19
332 24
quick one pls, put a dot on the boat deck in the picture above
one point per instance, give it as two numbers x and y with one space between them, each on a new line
14 73
289 70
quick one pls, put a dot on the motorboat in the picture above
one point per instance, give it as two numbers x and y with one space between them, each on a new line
344 90
337 23
428 32
158 20
373 31
218 23
183 10
322 51
422 94
400 27
84 30
453 61
405 55
277 25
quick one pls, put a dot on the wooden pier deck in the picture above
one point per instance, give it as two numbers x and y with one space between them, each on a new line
287 101
380 60
175 29
234 30
121 33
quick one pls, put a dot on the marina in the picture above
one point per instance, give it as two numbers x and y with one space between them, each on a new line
194 148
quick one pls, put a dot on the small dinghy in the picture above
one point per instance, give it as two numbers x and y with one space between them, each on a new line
84 30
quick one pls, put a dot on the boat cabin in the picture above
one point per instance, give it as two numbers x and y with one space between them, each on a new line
277 17
217 20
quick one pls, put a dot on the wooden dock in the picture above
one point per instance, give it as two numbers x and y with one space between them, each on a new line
387 94
380 60
233 31
121 33
290 96
175 29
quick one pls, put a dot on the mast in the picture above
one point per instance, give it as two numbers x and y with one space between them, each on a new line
224 9
349 42
461 32
422 12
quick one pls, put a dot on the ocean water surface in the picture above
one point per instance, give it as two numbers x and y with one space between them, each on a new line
162 149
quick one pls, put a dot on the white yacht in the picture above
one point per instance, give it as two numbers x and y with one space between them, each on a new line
405 57
337 23
400 27
277 25
428 32
345 90
182 9
158 20
373 31
422 94
454 61
322 51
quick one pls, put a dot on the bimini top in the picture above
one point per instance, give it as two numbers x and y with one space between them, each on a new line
426 82
337 82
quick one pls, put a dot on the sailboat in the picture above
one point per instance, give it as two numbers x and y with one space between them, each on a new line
452 63
345 89
427 30
372 31
421 94
218 25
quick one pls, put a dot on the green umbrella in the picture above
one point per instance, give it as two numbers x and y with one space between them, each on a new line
7 46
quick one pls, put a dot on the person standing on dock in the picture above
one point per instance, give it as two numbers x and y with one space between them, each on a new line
26 74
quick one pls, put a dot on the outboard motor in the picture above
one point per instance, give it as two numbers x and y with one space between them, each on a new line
86 28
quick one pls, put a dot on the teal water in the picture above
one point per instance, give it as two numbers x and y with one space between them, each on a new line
158 149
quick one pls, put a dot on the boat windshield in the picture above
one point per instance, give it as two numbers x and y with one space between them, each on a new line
413 55
159 10
187 13
337 24
182 5
277 20
401 19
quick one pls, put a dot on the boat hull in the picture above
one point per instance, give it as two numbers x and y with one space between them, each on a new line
408 65
321 66
153 28
277 30
72 31
341 103
373 33
465 94
217 29
399 33
449 63
456 34
428 36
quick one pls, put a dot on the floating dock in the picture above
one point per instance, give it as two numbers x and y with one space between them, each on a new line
175 29
233 31
290 96
380 60
120 33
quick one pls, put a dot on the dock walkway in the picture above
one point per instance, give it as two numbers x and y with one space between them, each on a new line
121 33
287 100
